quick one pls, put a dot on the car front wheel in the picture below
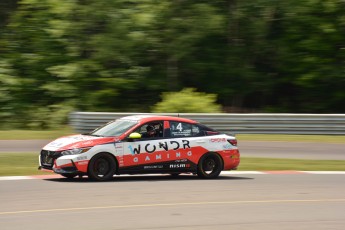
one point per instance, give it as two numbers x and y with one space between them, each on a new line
102 167
210 166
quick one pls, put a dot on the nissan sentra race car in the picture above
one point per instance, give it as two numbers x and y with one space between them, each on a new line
142 144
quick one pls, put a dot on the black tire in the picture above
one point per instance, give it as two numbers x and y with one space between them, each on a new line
174 174
69 175
102 167
210 166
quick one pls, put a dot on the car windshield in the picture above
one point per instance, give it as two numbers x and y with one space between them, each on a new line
115 128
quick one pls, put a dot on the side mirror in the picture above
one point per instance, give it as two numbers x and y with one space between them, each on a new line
134 136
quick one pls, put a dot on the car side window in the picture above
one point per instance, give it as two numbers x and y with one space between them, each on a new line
151 130
196 130
182 129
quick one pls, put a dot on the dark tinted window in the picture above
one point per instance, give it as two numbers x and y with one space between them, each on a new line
181 129
205 131
151 129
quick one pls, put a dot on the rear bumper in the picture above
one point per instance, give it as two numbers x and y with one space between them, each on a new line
231 159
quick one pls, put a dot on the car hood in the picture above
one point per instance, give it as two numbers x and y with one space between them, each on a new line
77 141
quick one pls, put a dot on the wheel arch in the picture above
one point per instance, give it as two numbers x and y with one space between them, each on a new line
111 155
212 152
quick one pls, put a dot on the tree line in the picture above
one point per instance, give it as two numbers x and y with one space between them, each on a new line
122 55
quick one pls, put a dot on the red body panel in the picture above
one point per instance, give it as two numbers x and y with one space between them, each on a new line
88 143
163 150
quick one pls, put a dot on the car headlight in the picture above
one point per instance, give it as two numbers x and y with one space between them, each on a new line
75 151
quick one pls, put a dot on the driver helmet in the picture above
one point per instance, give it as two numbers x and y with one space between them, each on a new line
150 130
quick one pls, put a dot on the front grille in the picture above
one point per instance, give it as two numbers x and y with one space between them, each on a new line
48 157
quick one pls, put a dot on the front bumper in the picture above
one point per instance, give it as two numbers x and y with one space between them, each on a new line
56 162
47 159
65 170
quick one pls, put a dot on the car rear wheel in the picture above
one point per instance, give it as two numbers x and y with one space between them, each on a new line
210 165
102 167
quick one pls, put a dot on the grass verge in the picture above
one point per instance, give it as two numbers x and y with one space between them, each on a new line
292 138
267 164
35 134
18 164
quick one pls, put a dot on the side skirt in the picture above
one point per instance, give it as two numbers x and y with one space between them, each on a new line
161 167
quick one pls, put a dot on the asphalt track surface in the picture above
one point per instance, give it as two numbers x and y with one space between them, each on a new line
270 202
282 200
272 149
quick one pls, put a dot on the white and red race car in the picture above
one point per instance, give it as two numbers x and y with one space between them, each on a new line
142 144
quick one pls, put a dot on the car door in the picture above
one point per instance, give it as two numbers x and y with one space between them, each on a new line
145 154
193 144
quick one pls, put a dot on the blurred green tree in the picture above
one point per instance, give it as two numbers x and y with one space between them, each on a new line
263 55
187 101
313 57
7 7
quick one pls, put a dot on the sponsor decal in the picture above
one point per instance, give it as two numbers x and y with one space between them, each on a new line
118 149
181 160
181 133
153 166
166 145
160 156
218 140
81 158
227 146
120 159
175 166
165 166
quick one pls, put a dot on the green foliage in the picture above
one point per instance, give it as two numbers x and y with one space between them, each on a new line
52 117
187 101
263 55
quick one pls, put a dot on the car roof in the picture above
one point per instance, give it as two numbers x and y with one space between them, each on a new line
143 118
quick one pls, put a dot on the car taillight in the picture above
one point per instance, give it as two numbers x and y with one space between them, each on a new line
233 142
